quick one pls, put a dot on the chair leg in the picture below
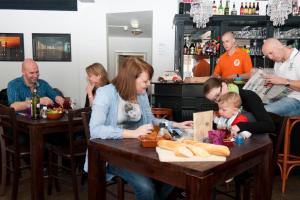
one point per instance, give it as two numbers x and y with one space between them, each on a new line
74 179
3 168
50 173
16 178
120 188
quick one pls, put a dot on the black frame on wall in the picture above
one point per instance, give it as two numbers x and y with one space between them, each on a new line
51 47
11 47
67 5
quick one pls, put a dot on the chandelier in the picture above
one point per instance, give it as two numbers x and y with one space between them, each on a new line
201 11
278 10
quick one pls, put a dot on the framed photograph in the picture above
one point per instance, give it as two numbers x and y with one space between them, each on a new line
51 47
11 47
121 56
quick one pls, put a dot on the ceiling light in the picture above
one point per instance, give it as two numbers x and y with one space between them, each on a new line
136 31
134 23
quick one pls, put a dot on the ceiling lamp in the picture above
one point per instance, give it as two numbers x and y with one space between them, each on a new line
201 11
135 25
279 11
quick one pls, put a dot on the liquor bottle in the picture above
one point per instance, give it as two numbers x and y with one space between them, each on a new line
185 49
249 9
214 8
226 10
233 11
295 7
181 7
253 8
192 48
257 9
242 9
246 9
221 9
35 105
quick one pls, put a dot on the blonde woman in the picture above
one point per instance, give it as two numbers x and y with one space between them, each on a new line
97 77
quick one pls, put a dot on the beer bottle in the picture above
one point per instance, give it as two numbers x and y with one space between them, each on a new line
214 8
242 9
233 11
257 9
226 10
35 105
221 9
185 49
246 9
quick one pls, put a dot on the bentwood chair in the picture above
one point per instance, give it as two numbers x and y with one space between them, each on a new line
116 179
165 113
74 152
11 150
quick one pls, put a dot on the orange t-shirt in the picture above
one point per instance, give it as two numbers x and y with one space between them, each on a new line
238 63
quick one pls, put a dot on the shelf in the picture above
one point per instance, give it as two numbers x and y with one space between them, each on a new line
251 38
298 38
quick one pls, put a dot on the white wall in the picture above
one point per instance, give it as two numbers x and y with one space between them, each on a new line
127 44
88 39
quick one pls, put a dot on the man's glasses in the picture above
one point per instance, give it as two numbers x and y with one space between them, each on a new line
218 95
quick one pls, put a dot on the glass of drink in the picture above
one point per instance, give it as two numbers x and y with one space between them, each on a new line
28 107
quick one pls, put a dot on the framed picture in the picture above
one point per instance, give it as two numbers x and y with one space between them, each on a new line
51 47
121 56
11 47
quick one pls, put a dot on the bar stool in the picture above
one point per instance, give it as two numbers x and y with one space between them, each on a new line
287 161
165 113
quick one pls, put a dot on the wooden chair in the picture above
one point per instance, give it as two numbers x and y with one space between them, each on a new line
116 179
287 161
11 150
74 152
165 113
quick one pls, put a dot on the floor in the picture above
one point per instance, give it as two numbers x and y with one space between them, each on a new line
292 193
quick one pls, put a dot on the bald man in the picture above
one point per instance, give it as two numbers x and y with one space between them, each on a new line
287 73
21 88
234 62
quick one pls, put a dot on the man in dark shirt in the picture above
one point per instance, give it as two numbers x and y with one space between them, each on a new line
21 88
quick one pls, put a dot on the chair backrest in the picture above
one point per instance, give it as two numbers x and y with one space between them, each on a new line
77 138
3 97
165 113
8 124
86 116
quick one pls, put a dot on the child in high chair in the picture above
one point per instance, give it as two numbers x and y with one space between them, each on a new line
229 112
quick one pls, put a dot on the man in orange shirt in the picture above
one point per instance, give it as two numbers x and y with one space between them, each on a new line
234 62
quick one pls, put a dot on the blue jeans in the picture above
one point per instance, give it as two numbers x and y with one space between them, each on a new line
286 106
144 187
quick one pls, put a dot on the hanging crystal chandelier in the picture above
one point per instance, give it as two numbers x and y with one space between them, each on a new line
201 11
278 10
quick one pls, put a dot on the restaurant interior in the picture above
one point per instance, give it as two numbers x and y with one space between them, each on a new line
65 38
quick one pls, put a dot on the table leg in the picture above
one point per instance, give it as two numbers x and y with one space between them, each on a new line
199 189
36 156
96 175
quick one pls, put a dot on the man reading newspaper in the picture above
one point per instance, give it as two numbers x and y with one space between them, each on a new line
286 75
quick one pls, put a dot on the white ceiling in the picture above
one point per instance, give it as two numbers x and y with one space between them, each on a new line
124 19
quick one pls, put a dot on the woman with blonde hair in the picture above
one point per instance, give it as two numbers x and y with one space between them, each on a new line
121 110
97 77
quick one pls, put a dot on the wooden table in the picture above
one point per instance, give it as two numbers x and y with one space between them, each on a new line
197 178
37 129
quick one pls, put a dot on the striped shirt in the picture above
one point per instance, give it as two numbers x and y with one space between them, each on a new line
17 90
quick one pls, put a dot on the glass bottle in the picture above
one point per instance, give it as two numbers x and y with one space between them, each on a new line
249 9
233 11
35 105
226 10
257 9
242 9
214 8
221 9
246 9
185 48
253 8
192 48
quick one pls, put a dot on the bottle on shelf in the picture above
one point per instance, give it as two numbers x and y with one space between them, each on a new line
249 9
35 105
226 10
253 8
185 48
257 9
295 7
221 9
233 11
192 48
246 9
242 9
181 7
214 8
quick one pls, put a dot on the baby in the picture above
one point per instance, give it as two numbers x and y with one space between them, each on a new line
229 112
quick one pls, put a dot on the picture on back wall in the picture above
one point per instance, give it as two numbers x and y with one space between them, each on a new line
51 47
11 47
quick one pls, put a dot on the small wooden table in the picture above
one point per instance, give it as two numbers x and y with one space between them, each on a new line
197 178
36 130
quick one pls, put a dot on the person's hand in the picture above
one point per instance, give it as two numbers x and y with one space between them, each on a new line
89 88
234 130
60 100
143 130
183 125
270 78
46 101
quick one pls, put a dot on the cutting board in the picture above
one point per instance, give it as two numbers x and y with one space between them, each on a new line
169 156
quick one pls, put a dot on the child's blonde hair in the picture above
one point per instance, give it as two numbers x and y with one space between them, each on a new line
231 98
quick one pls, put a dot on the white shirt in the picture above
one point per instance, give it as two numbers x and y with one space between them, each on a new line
290 69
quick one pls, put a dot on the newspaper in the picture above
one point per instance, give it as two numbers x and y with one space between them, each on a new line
267 92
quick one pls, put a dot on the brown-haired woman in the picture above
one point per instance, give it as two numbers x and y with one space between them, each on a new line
97 77
121 110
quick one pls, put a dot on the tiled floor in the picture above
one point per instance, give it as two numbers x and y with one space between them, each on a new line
292 193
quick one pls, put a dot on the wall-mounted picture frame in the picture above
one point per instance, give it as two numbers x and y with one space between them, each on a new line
121 56
51 47
11 47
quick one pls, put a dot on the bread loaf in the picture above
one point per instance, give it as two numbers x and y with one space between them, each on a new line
214 149
178 148
182 151
197 151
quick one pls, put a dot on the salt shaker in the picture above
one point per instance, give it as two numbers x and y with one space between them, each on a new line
44 112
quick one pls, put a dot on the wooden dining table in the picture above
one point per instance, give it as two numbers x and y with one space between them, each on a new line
37 129
197 178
